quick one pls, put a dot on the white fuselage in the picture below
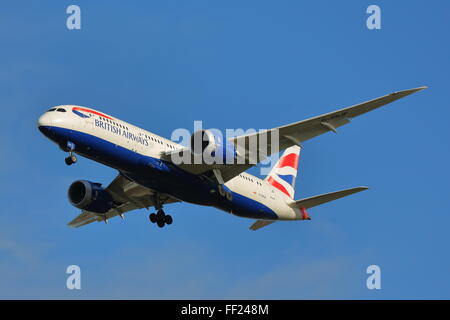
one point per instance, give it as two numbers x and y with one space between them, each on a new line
118 133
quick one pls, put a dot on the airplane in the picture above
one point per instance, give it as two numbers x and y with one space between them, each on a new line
148 177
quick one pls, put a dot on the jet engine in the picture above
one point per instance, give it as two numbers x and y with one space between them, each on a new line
90 196
213 147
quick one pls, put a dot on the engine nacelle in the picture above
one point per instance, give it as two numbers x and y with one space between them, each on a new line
213 147
90 196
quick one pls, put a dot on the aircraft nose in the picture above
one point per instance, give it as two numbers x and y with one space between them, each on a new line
45 120
44 123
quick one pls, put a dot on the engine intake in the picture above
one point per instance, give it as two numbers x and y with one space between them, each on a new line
90 196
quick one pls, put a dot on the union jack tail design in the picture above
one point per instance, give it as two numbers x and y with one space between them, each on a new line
283 174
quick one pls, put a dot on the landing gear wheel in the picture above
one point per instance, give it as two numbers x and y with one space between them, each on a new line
160 215
160 223
70 160
168 219
160 218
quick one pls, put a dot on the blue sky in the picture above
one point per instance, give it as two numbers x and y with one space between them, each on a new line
232 64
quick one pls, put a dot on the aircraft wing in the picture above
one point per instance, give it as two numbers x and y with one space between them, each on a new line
127 196
298 132
288 135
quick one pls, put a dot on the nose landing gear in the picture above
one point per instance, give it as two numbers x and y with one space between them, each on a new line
71 159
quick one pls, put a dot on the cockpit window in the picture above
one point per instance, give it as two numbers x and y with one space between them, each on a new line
61 110
52 109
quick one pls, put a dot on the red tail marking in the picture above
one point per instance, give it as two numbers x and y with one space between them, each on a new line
290 160
278 186
305 215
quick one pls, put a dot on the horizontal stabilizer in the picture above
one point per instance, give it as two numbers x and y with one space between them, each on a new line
324 198
260 224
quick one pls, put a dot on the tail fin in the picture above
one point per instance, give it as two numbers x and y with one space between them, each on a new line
283 174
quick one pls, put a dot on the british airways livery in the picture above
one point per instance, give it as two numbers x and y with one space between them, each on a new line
148 176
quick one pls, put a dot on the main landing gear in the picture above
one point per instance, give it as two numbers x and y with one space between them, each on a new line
71 159
160 217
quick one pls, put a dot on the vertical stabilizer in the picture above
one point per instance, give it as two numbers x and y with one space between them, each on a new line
284 173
